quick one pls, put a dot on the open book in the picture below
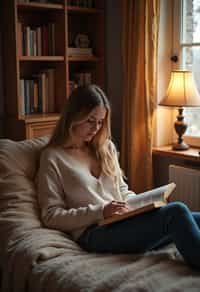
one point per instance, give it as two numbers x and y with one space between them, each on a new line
144 202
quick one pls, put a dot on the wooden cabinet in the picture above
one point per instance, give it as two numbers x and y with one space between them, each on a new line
182 168
165 156
39 129
49 48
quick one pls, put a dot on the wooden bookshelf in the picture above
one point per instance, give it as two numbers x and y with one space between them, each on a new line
39 73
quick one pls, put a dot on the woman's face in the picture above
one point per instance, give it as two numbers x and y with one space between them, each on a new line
88 128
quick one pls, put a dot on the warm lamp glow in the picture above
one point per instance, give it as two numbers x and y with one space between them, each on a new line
181 92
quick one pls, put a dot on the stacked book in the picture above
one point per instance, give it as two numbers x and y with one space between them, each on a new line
73 52
37 41
38 93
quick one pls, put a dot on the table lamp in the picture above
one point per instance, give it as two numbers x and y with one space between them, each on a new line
181 92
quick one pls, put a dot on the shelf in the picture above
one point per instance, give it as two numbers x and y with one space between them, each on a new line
79 10
84 59
192 154
32 28
34 118
42 58
40 6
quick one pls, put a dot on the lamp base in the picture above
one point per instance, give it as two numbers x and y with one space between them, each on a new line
180 128
180 146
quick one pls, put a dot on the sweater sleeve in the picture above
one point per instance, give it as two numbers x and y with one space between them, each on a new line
125 192
55 213
123 187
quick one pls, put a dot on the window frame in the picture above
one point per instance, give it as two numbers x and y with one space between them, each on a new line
177 46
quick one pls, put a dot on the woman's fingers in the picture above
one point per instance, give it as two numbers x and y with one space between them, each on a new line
121 209
115 207
120 204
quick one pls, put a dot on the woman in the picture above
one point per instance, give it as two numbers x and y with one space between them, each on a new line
80 183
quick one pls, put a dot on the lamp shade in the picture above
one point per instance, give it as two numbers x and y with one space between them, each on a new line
181 91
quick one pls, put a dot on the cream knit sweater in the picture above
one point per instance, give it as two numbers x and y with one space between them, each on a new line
70 197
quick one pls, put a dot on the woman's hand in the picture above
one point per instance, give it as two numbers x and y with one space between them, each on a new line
115 207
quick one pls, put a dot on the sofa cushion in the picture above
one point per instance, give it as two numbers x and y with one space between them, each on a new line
20 157
18 200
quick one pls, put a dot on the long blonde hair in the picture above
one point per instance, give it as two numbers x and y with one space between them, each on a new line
78 106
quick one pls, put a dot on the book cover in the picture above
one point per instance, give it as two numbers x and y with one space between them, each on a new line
20 39
51 89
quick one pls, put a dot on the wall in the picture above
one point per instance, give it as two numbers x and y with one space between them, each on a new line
164 116
114 64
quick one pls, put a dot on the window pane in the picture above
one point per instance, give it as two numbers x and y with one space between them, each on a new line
191 21
191 61
192 117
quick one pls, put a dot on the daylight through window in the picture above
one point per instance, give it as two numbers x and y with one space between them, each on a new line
190 56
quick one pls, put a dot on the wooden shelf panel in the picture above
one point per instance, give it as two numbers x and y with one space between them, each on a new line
40 6
42 58
34 118
79 10
84 59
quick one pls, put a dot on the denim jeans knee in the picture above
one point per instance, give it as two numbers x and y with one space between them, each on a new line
178 208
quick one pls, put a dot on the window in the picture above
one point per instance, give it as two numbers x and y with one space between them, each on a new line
187 47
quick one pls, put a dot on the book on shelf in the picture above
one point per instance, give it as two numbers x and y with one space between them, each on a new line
36 41
29 98
37 94
20 39
50 85
144 202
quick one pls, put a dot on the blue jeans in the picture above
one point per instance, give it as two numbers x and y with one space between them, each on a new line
171 223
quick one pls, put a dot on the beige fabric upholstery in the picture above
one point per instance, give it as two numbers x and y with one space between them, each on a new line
18 201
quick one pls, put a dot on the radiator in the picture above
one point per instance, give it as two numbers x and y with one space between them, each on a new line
187 185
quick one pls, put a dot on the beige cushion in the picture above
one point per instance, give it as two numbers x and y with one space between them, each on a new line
18 201
20 157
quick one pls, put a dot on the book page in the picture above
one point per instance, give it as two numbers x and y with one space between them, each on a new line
156 196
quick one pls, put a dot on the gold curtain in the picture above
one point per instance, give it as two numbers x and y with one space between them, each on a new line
140 45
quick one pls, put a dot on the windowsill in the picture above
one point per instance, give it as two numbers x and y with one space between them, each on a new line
192 140
192 154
